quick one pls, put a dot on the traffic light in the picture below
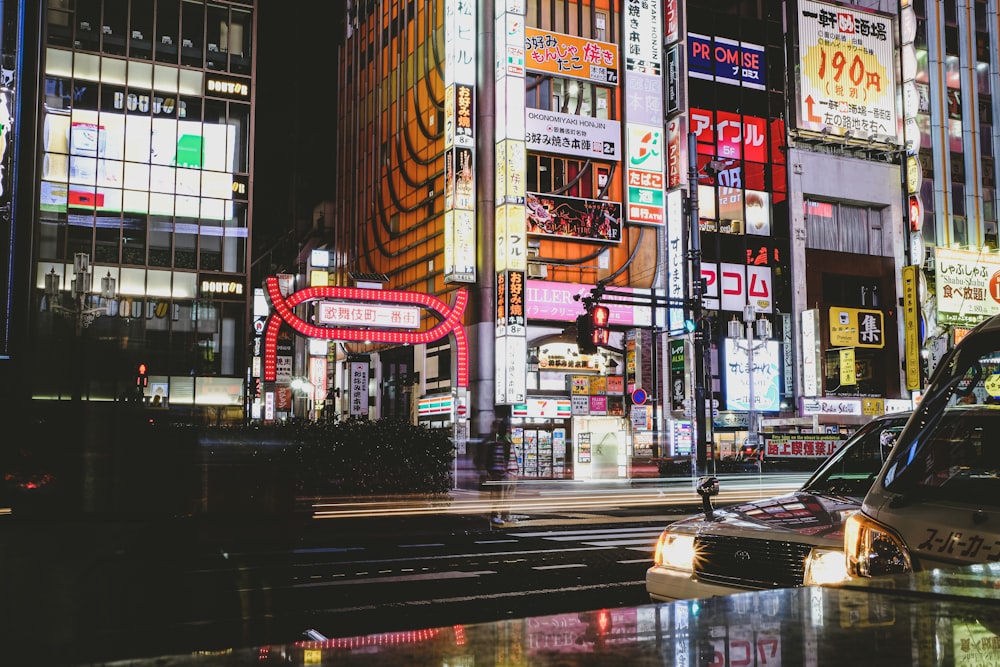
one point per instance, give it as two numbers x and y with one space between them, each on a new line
585 334
141 379
600 316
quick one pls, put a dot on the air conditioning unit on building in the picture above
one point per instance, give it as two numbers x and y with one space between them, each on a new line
538 271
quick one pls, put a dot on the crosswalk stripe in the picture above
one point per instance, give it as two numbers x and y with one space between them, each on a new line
552 534
622 543
601 536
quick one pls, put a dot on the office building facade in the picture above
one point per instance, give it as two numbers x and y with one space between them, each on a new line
129 200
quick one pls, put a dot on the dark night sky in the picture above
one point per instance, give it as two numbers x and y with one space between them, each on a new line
295 112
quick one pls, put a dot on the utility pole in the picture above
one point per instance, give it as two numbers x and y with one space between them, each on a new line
695 283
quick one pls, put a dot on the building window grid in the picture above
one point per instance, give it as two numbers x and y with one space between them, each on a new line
848 228
97 241
214 36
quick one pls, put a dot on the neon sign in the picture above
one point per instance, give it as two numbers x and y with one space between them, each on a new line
282 311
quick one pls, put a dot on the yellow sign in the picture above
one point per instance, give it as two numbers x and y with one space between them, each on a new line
848 375
911 335
853 327
580 385
992 385
873 406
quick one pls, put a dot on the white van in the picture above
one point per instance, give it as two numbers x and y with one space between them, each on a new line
791 540
936 502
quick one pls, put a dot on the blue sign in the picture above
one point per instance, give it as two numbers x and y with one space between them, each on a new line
726 61
639 396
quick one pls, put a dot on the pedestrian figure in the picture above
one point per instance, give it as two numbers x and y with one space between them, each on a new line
501 470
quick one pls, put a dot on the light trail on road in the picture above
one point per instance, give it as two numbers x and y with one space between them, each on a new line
546 500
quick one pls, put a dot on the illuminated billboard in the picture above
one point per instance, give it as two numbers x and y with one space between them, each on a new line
765 376
114 162
846 71
589 219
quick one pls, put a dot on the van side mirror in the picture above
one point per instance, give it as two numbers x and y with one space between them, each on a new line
707 487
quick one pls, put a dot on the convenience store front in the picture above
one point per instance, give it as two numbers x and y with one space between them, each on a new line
553 442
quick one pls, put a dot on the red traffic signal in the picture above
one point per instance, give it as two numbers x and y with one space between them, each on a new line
600 317
141 380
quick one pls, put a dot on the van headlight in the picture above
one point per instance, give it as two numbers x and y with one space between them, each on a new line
675 550
825 566
873 549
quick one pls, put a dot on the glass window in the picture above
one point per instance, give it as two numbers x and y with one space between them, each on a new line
186 238
160 240
167 34
210 247
108 239
88 24
239 118
217 27
192 33
141 30
239 34
960 231
113 27
845 228
134 239
80 232
58 23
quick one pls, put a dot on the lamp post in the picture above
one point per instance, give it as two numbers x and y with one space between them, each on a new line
80 312
736 330
82 283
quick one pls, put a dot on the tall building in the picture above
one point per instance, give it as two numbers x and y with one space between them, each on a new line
717 173
128 130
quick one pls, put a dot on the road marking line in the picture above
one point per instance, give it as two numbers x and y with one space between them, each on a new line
622 543
584 538
558 567
552 534
403 578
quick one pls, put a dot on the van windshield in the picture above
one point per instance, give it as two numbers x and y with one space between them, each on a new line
851 471
943 452
957 459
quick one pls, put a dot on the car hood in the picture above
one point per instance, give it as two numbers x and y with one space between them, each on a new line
796 517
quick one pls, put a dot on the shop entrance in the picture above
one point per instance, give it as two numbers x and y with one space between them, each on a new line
543 451
601 446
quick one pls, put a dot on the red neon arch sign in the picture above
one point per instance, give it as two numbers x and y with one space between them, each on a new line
282 307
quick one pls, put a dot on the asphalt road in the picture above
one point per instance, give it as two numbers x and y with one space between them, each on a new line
115 588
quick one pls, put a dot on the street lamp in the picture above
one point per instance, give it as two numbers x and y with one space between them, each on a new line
763 333
82 282
308 389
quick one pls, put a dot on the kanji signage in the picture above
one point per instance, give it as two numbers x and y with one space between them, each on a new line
853 327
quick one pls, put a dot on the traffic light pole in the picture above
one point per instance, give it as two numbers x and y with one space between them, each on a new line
696 285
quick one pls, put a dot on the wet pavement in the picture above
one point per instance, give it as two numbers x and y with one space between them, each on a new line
931 618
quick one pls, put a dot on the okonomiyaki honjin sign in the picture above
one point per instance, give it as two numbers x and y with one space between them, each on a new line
591 219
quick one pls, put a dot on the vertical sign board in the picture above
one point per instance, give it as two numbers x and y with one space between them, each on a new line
645 143
911 333
359 389
676 261
678 390
811 362
511 246
459 137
